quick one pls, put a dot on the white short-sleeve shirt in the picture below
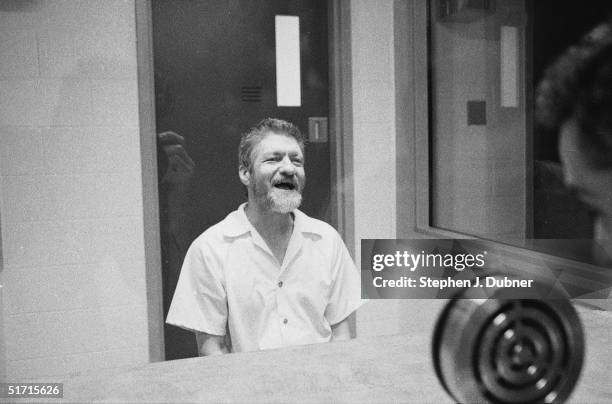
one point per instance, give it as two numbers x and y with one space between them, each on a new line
231 280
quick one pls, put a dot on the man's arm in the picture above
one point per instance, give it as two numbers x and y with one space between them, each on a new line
210 344
342 330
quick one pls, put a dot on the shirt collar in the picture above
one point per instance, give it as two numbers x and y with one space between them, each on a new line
238 223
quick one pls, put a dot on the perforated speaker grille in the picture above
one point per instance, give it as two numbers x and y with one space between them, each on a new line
524 354
508 350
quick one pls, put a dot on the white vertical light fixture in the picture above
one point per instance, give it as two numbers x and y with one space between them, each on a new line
288 75
509 55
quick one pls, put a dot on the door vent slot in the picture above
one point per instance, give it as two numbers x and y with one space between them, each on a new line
251 93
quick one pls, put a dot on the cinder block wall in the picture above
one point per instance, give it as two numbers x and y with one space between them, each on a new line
374 144
375 153
74 293
73 272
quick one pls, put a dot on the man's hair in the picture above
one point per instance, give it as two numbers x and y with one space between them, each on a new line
253 136
579 85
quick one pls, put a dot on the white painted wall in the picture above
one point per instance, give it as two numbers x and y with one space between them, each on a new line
372 36
373 118
74 293
71 214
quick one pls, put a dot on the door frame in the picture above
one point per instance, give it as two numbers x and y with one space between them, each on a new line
340 139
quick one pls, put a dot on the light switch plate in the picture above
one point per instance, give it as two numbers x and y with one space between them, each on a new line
317 129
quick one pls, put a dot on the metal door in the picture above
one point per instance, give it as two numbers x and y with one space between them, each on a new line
215 76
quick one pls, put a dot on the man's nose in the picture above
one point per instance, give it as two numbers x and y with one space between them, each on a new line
287 166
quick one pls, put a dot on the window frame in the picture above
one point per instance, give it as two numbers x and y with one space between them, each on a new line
421 131
340 141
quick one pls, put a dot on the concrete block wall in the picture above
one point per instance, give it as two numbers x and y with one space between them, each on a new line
73 274
74 295
373 77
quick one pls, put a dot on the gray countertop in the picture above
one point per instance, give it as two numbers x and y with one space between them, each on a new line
376 369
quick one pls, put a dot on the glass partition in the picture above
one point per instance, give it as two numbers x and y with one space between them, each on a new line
493 174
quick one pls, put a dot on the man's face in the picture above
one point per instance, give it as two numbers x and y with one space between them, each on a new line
592 185
276 179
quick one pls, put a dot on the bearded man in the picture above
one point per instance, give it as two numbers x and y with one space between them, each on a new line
268 274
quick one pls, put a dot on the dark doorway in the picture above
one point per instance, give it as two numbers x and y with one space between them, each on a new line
215 76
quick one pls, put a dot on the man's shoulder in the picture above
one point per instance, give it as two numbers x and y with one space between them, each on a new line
219 232
316 226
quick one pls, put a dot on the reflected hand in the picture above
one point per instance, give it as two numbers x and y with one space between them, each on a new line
180 165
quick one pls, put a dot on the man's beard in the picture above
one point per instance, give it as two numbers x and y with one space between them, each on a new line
283 201
279 200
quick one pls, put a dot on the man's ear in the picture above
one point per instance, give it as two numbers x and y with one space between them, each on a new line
245 175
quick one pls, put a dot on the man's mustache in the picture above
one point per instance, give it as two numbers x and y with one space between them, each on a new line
289 183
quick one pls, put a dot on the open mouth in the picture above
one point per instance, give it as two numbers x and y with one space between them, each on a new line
286 185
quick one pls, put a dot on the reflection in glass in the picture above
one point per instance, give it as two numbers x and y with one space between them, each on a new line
479 147
494 174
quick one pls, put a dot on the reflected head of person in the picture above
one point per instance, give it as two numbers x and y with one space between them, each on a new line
267 276
574 100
